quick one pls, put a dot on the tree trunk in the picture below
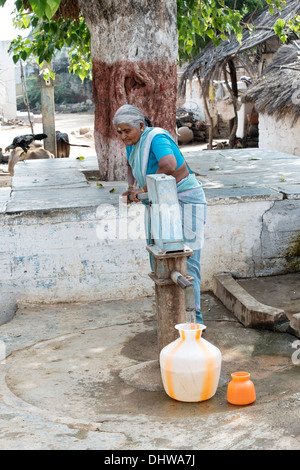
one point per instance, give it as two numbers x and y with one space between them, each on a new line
208 115
233 124
134 54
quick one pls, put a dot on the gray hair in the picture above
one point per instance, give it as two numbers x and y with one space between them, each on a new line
129 114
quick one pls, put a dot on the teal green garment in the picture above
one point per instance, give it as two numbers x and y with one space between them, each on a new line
161 146
192 202
139 157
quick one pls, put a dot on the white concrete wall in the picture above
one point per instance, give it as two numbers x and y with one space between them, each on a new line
194 99
232 232
279 134
194 103
8 105
63 255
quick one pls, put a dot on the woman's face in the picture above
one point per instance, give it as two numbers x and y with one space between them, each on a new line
128 134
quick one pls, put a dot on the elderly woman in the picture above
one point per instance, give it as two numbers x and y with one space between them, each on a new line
152 150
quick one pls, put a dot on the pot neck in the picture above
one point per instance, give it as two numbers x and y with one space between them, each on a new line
190 330
240 376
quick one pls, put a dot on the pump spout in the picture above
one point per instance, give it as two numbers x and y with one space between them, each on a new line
180 280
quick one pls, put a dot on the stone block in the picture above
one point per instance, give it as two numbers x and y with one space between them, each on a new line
246 308
294 327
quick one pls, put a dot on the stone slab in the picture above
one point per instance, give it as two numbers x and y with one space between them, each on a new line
290 190
43 199
30 167
223 195
249 311
68 178
4 198
295 324
252 153
271 180
262 166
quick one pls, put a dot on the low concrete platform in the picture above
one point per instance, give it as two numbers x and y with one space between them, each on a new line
80 368
65 239
77 376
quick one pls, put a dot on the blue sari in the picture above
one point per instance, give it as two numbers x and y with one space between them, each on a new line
192 204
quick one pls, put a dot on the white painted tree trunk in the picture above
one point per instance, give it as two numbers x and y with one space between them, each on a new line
134 52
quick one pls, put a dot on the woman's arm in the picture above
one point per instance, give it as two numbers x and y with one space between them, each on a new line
130 177
167 165
131 187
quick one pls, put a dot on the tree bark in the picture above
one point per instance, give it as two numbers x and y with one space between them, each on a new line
208 115
134 54
233 124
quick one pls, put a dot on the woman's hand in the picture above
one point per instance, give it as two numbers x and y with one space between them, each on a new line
125 197
133 195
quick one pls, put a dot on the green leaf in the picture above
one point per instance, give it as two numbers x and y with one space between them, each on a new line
39 7
23 55
26 21
51 8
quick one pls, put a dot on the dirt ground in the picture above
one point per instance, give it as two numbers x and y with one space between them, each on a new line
72 124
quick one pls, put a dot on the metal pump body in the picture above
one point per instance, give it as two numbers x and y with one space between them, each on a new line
174 291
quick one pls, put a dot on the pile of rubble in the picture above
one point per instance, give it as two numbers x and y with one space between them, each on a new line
189 128
84 133
82 107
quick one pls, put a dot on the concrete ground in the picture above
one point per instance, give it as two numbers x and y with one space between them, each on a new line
86 376
69 123
277 291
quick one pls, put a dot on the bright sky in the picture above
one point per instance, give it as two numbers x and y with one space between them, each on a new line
7 30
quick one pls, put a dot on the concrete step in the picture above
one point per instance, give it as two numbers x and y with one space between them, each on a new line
249 311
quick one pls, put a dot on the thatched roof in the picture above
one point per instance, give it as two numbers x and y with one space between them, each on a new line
277 92
210 61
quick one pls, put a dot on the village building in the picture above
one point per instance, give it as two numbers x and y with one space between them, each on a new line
220 76
276 97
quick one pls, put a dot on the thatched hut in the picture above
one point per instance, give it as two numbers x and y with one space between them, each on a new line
253 53
276 97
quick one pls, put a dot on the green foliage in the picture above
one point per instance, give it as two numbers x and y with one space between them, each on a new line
46 37
199 21
33 93
244 6
69 90
46 8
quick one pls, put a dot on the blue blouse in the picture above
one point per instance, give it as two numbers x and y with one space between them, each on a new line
160 147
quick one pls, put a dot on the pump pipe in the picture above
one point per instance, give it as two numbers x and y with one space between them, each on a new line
140 196
180 280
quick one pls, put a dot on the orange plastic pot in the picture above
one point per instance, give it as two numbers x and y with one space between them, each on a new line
241 390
